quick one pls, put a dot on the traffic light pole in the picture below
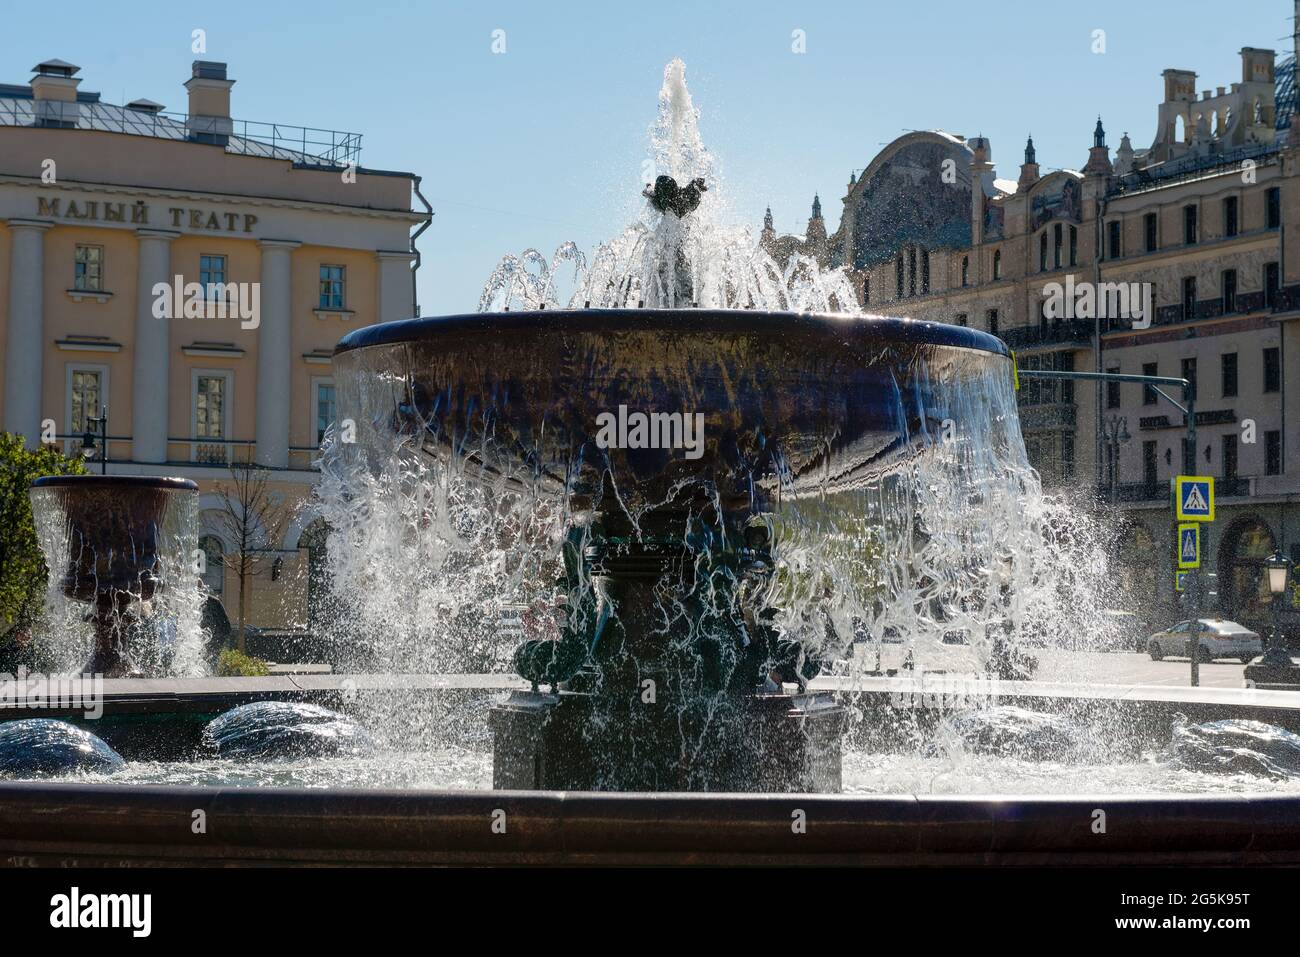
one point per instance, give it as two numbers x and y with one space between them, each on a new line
1188 408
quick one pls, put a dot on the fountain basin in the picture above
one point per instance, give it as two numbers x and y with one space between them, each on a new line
799 402
113 541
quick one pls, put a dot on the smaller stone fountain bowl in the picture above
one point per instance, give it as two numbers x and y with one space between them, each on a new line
114 527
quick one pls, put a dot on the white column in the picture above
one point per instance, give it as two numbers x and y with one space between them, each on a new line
274 348
151 371
395 289
24 352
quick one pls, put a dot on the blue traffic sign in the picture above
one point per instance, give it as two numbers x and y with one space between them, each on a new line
1194 498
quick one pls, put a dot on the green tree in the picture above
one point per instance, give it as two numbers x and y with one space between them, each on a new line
22 568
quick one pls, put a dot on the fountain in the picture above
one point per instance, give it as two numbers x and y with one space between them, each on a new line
115 543
737 524
665 456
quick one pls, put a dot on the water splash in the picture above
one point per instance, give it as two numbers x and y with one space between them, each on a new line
663 261
39 747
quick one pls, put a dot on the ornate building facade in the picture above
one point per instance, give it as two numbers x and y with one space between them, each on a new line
1205 218
287 240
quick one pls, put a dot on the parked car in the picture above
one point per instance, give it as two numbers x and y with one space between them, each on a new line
1217 638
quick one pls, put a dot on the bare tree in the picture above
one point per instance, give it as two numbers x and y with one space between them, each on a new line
252 522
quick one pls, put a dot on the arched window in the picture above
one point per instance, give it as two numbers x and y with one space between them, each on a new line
1042 251
965 270
1074 246
214 571
315 539
1243 578
997 264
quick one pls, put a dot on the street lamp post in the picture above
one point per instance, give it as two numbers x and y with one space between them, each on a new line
1278 568
1115 434
97 424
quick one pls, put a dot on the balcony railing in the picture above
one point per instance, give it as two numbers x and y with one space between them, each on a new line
1050 333
1283 299
1191 167
299 144
1133 492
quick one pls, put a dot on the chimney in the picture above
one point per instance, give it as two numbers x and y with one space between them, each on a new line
54 94
209 113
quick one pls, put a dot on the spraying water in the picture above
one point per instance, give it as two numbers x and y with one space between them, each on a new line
668 261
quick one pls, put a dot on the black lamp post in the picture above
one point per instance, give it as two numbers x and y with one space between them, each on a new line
97 424
1278 568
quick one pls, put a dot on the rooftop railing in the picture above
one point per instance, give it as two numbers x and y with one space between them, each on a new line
299 144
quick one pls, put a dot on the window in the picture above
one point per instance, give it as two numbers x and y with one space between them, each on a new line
1272 369
1273 452
1229 290
992 317
326 408
1189 372
925 271
1273 208
1149 463
1151 227
961 319
1271 283
1230 456
898 270
84 397
1112 390
1113 246
333 287
1074 246
89 269
211 406
866 290
212 270
1149 396
1230 216
1189 297
965 270
997 264
214 572
1042 251
1228 363
1189 225
1056 246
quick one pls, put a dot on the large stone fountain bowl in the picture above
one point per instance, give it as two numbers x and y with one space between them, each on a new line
790 403
113 528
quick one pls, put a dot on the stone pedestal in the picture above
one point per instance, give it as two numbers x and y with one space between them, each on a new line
750 743
1271 674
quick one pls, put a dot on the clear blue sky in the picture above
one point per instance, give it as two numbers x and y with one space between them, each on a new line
545 142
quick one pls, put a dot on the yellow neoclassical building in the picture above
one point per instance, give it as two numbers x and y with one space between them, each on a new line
188 275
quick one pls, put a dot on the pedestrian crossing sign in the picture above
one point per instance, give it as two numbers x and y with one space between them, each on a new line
1189 545
1194 498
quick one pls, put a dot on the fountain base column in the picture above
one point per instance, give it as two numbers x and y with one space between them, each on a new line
748 743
